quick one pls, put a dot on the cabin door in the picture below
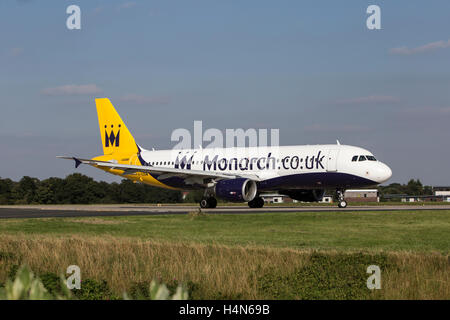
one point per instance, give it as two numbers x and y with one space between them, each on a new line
332 160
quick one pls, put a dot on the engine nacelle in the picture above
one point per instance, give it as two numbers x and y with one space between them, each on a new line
236 190
305 195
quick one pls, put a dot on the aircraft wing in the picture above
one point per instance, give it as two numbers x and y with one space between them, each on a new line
164 173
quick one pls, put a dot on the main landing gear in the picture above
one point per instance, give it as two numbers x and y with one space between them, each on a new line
341 201
257 202
208 202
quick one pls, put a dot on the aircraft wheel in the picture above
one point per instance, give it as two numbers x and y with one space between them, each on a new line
204 203
212 202
342 204
259 202
256 203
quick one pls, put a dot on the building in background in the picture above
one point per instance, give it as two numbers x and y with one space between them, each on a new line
443 192
437 197
275 198
351 195
427 198
361 195
327 199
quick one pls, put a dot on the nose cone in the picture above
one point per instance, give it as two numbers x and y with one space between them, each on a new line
383 173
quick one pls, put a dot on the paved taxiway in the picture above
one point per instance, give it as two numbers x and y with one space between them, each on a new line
54 211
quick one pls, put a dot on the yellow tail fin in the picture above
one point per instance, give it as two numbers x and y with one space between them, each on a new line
116 138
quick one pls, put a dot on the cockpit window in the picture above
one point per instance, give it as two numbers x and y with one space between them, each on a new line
363 158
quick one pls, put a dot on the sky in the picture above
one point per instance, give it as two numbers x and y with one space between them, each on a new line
311 69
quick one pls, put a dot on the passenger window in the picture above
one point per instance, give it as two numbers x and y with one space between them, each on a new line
355 158
362 158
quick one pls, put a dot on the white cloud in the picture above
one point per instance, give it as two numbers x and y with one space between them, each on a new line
138 99
370 99
72 89
427 47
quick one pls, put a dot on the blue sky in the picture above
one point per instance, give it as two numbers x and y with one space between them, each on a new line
310 68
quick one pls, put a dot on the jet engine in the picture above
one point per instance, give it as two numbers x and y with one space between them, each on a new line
236 190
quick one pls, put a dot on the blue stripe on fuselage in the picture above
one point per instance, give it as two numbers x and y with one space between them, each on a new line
317 180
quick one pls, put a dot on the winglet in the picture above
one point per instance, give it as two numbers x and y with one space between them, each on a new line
77 162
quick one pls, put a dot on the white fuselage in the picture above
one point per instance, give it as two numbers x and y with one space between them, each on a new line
309 166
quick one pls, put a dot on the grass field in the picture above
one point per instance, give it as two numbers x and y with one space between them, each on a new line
305 255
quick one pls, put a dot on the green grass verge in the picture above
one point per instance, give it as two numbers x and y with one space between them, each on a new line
418 231
303 255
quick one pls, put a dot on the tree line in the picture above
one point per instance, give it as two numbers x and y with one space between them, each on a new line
412 188
80 189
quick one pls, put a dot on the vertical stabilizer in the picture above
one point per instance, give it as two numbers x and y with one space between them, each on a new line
116 138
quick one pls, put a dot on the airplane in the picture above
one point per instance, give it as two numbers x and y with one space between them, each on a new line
239 174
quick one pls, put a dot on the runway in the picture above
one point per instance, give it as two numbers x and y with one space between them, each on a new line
70 211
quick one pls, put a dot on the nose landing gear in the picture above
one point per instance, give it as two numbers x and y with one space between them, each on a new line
341 201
